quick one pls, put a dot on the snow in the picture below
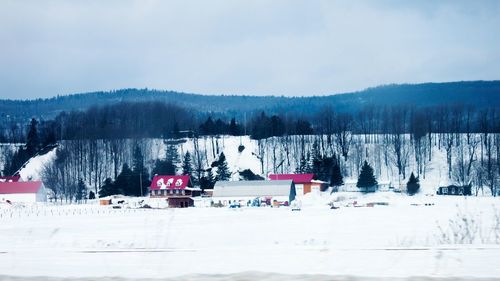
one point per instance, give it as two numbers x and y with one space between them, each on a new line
400 239
284 150
34 167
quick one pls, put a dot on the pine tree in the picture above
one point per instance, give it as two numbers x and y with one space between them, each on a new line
81 191
413 185
234 129
163 167
208 180
172 156
23 154
302 168
366 178
122 183
223 173
316 160
187 167
32 140
336 178
92 195
108 188
139 180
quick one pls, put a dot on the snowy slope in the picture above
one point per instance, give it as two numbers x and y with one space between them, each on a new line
281 155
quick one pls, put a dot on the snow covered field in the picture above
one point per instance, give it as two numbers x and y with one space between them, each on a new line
403 239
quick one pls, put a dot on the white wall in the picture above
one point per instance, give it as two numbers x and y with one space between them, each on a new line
19 197
299 189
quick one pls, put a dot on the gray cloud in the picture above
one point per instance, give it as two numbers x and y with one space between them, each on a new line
242 47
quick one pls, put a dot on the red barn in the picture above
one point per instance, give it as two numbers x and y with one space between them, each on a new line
176 190
23 191
304 183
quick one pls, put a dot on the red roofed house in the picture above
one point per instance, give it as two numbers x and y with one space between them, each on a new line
10 179
23 191
304 183
176 190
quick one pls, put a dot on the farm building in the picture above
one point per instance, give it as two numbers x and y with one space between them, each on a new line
304 183
25 192
10 179
280 190
175 189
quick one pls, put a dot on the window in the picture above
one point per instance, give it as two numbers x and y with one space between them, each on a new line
445 190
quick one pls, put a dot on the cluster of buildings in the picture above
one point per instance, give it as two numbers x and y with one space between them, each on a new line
280 189
178 191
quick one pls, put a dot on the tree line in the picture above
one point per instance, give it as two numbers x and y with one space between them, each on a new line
100 141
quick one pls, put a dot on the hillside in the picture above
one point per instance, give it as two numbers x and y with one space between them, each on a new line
278 155
477 93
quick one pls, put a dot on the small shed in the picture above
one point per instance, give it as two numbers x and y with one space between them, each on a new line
25 192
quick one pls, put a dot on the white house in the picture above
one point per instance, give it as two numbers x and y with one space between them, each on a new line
25 192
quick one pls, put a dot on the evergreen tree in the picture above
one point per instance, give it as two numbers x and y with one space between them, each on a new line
92 195
187 167
172 156
223 173
163 167
309 165
107 189
139 181
316 160
336 178
413 185
366 177
137 159
23 154
32 140
302 168
81 191
208 180
234 129
122 183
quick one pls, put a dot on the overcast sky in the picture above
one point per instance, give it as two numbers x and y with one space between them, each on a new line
253 47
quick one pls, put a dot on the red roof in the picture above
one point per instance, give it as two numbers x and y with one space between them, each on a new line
20 187
10 179
169 182
296 178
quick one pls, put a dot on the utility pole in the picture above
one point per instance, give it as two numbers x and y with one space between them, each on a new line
140 178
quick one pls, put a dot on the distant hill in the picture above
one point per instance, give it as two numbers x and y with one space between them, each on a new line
476 93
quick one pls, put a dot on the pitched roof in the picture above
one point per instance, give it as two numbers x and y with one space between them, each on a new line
169 182
297 178
252 188
10 179
20 187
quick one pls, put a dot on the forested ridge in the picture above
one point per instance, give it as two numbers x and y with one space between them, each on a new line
100 142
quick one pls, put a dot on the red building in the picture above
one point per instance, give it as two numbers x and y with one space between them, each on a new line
304 183
10 179
177 190
23 191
